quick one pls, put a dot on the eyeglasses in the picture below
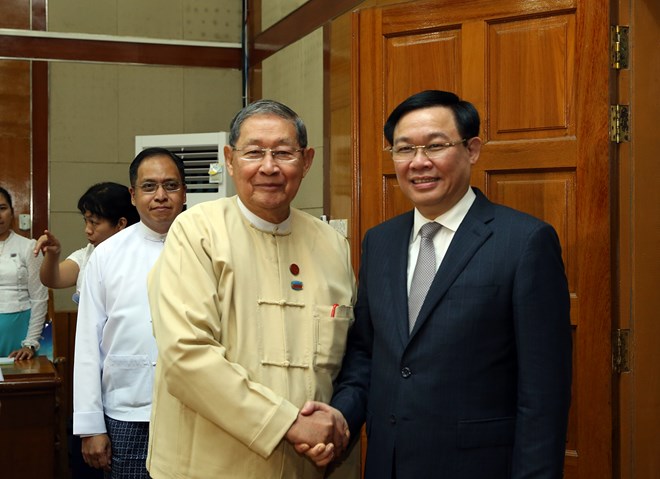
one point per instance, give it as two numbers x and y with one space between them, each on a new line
255 154
151 187
433 151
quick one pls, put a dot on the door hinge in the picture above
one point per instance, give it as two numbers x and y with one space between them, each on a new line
619 123
621 351
619 51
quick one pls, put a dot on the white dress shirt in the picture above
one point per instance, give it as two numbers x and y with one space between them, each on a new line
115 352
80 257
450 222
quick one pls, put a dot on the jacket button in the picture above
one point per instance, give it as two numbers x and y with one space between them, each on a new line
406 372
392 419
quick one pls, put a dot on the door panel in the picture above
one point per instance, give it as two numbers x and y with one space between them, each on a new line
530 70
437 51
537 72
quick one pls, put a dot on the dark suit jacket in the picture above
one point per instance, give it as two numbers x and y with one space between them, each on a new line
481 387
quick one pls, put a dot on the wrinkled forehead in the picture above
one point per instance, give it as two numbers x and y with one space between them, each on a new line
272 128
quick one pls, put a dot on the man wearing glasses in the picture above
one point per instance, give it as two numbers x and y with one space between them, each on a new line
115 353
460 356
251 303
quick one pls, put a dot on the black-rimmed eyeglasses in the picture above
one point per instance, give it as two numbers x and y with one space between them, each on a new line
150 187
433 151
280 155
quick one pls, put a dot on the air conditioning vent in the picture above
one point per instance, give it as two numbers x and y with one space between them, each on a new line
203 157
199 160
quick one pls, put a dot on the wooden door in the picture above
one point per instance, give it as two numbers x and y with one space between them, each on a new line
538 74
637 227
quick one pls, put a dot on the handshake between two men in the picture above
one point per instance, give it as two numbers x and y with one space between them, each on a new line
320 432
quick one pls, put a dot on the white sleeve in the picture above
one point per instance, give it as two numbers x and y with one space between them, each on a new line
77 256
38 297
88 418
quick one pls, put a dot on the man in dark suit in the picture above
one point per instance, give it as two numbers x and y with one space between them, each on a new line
477 383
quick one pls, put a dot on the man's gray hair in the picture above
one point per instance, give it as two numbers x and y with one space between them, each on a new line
267 107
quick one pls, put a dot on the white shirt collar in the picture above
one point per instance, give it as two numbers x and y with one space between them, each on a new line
451 219
282 228
6 240
150 234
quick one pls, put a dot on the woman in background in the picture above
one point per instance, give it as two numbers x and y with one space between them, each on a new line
23 299
106 209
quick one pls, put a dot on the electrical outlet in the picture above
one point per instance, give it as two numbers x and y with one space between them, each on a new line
24 222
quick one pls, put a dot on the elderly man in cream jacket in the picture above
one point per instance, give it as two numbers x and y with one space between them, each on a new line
251 303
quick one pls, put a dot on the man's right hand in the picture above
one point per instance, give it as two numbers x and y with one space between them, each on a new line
314 428
329 423
48 243
96 451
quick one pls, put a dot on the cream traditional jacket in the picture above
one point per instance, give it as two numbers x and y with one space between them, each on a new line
250 323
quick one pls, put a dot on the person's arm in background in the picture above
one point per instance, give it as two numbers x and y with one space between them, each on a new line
53 273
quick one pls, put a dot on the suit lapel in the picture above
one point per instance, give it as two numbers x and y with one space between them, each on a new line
470 236
399 275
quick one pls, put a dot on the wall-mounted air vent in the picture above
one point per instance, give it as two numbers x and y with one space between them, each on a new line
202 154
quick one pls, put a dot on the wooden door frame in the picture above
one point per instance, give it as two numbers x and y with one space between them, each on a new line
637 232
594 273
